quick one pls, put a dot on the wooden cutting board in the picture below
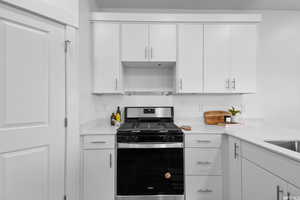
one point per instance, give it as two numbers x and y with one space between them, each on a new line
215 117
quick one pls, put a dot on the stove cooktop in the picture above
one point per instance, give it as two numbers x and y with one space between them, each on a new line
149 126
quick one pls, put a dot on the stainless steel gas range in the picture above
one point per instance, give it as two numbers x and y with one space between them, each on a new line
150 155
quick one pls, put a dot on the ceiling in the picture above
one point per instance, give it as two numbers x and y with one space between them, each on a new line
201 4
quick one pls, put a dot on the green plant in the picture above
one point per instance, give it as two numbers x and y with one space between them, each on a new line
234 111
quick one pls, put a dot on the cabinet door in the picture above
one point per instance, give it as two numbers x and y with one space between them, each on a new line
162 42
234 169
106 58
260 184
216 58
243 58
134 39
190 58
200 161
98 174
204 188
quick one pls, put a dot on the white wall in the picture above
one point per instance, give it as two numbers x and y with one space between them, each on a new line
87 101
200 4
278 85
278 71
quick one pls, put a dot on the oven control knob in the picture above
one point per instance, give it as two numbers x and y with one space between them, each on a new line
168 175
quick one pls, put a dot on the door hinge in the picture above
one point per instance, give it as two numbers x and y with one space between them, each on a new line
65 197
67 44
66 122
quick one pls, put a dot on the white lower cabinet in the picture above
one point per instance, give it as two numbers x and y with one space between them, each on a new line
99 174
203 161
260 184
204 188
203 167
98 167
234 187
267 175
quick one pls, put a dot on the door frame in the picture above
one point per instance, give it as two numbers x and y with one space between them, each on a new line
72 137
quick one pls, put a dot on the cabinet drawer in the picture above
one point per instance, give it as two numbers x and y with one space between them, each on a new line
213 141
203 161
99 141
204 188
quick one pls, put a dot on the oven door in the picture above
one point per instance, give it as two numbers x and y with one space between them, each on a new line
150 172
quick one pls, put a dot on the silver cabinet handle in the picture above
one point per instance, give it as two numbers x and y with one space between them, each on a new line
203 141
205 190
227 83
180 84
110 160
146 53
236 146
151 53
98 142
279 193
233 82
203 163
116 84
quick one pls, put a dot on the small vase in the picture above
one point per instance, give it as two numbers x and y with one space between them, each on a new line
234 119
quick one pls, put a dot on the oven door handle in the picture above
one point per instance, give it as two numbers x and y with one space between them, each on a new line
149 145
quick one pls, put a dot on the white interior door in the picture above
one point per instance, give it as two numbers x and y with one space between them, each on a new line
32 107
190 58
216 58
134 42
243 60
162 42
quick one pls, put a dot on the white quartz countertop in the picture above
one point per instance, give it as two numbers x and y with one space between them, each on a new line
98 127
255 132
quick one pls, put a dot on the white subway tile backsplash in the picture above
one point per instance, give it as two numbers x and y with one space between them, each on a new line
186 106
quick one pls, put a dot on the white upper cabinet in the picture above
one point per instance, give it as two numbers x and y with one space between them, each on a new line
162 42
243 59
106 58
144 42
216 58
230 58
190 58
134 38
